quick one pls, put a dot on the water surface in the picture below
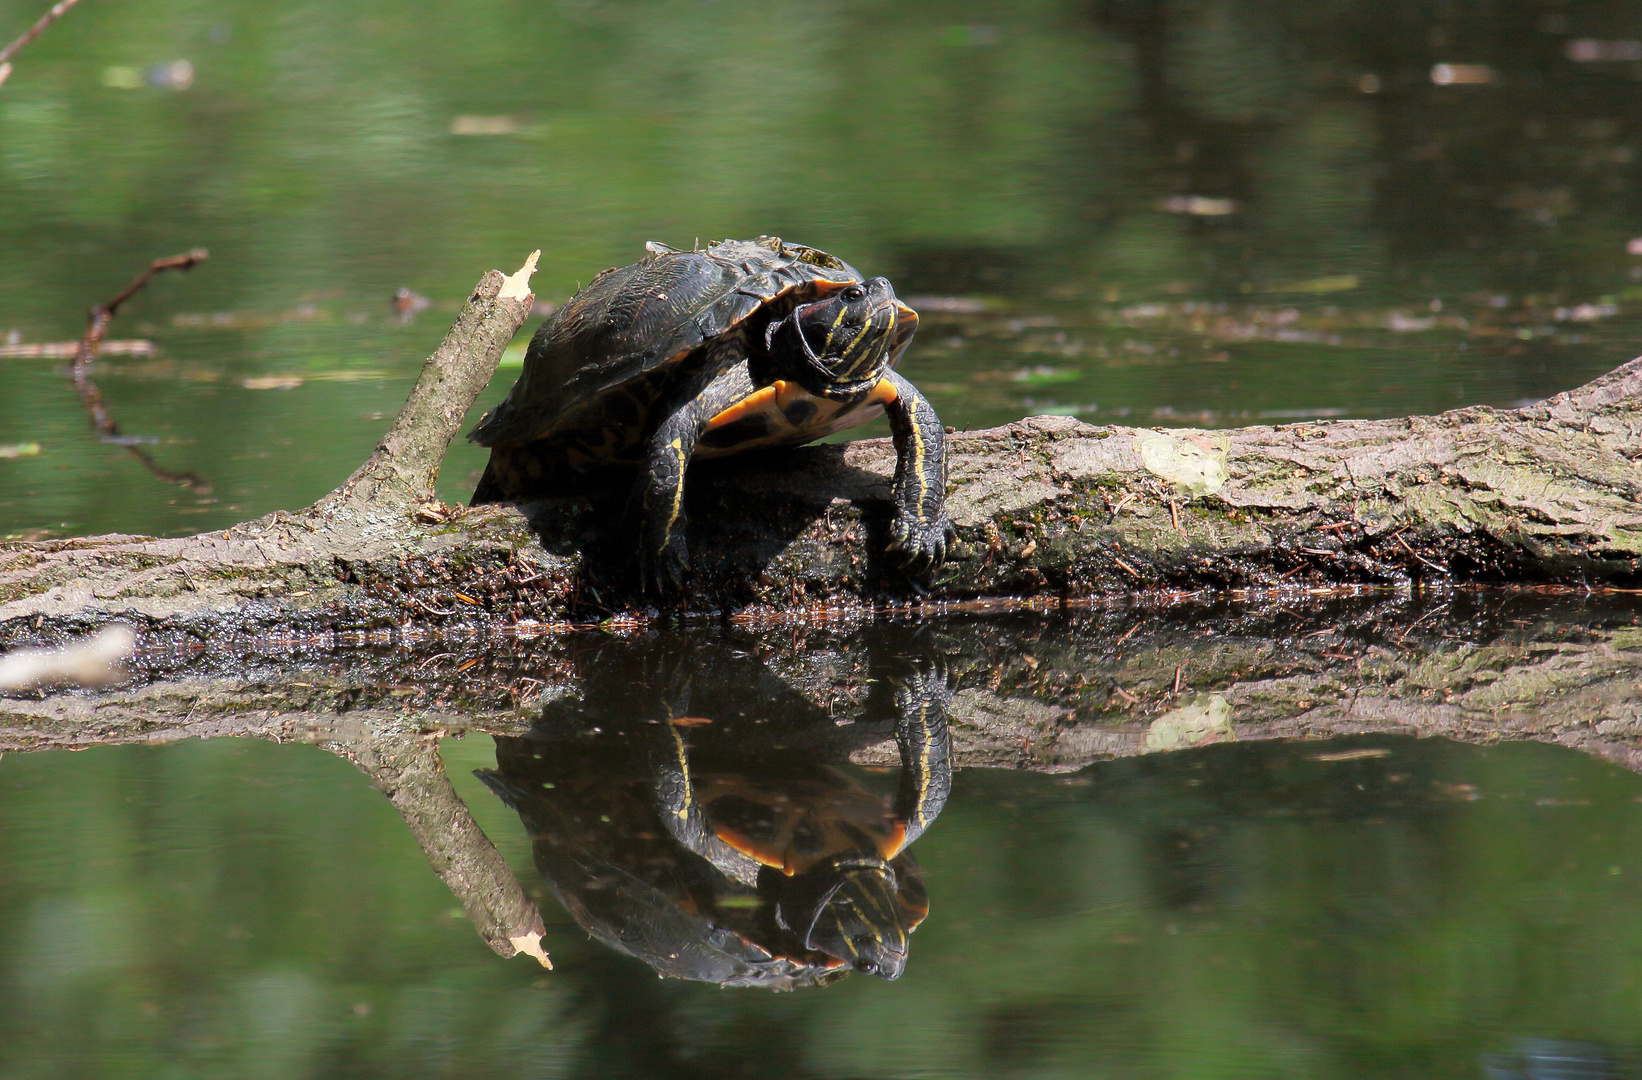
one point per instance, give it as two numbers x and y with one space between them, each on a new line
241 909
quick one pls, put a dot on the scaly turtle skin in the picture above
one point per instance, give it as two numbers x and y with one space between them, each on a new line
739 346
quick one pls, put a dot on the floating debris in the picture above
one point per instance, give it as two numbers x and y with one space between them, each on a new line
121 77
94 661
248 320
348 375
1592 51
1585 312
1462 74
1332 283
291 382
484 125
64 350
1042 375
1299 414
177 75
1366 753
407 304
1197 205
947 305
1399 323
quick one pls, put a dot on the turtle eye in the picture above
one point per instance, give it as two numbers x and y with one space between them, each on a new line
854 294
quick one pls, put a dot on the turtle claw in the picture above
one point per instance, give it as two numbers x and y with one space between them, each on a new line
921 545
926 688
662 571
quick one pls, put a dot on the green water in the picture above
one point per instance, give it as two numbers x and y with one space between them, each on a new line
1191 213
243 909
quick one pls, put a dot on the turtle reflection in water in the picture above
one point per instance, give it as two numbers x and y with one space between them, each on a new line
710 857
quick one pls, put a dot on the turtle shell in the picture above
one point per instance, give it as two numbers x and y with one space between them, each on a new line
636 322
797 822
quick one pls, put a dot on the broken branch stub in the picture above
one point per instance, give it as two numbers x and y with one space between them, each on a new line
402 469
52 15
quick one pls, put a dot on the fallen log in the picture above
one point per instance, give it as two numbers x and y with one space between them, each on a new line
1047 508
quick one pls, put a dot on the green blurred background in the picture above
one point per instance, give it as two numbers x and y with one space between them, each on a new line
1183 212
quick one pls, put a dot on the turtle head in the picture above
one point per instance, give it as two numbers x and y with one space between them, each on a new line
840 345
847 909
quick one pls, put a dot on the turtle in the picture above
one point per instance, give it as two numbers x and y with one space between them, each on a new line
719 846
737 346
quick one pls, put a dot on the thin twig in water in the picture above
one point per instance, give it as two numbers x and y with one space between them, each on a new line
1438 610
92 398
31 33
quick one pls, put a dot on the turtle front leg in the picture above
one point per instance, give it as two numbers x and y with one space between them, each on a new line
658 497
921 530
683 816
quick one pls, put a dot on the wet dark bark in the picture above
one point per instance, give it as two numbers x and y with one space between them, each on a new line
1049 692
1048 509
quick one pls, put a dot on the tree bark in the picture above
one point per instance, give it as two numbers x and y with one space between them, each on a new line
1049 510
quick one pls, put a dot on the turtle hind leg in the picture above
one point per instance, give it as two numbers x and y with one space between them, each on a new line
493 484
521 472
656 506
